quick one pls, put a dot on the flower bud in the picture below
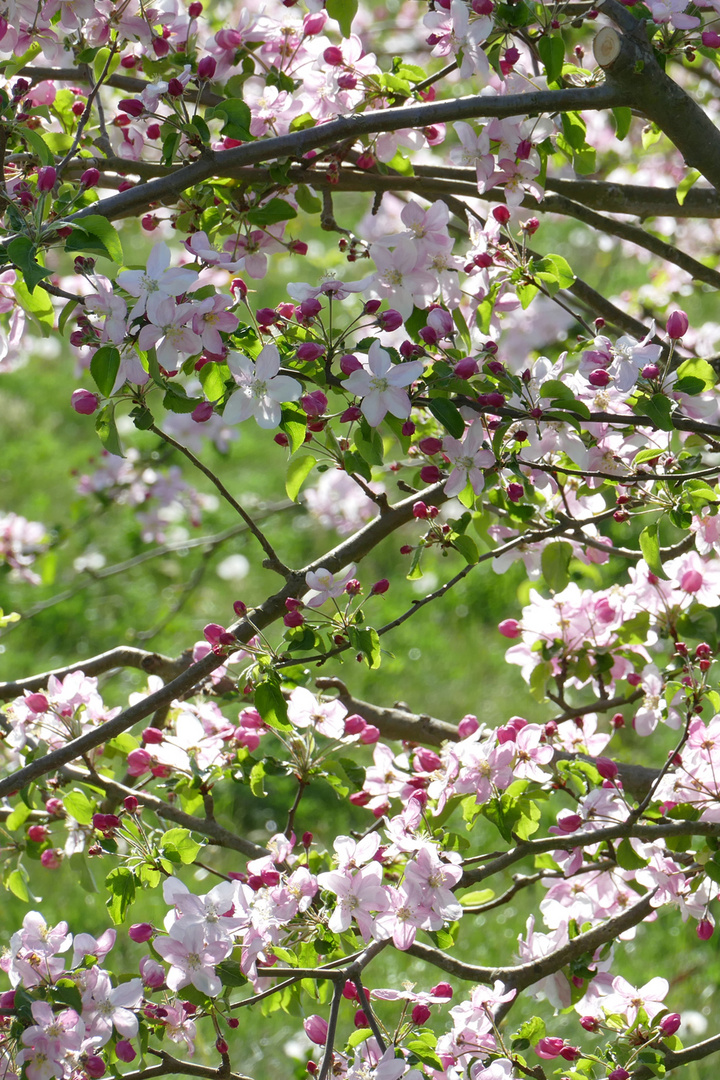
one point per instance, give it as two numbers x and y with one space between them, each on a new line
310 350
349 363
549 1047
607 768
125 1050
430 474
390 319
677 325
207 67
51 859
38 703
314 403
710 39
175 88
510 628
467 726
515 492
705 929
94 1066
85 402
501 214
354 724
466 368
131 804
369 735
202 412
90 177
38 833
380 587
46 178
132 106
316 1029
598 377
421 1014
152 973
670 1023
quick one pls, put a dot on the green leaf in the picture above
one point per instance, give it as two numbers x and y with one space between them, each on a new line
18 816
121 885
552 54
698 369
555 562
22 252
365 640
107 431
236 117
627 858
658 409
554 388
104 367
360 1034
37 304
623 118
480 896
533 1030
650 547
79 806
306 200
270 213
343 11
257 775
299 469
272 706
526 293
179 842
689 385
16 883
230 973
38 146
467 548
293 423
447 414
104 231
685 184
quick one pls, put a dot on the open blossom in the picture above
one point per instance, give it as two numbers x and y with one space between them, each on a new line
327 586
159 279
380 384
627 1000
193 959
261 390
105 1007
468 459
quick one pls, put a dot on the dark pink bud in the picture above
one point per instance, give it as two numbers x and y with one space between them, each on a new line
7 1000
408 428
38 833
228 39
37 702
619 1074
85 402
420 510
428 335
515 492
309 308
207 67
430 474
131 804
310 350
501 214
710 39
390 319
94 1066
430 445
315 403
221 1045
293 619
140 932
590 1023
570 1053
238 288
705 929
350 991
131 106
353 412
569 823
380 587
607 768
161 47
427 759
531 226
138 762
90 177
347 81
354 724
420 1014
153 735
670 1023
677 325
125 1049
598 377
369 735
46 178
313 22
333 56
549 1047
195 9
510 628
371 307
54 806
202 412
298 247
213 632
316 1029
360 1019
175 88
467 726
51 859
650 371
466 368
281 439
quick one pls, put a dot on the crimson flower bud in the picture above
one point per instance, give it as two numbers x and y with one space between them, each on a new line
598 378
710 39
46 178
430 474
333 56
420 1014
94 1066
501 214
307 839
131 106
206 67
677 325
619 1074
195 9
85 402
202 412
240 609
90 177
408 428
607 768
467 726
125 1050
531 226
590 1023
153 735
650 371
281 439
7 1000
380 587
353 412
37 702
360 1019
515 492
314 403
466 368
549 1047
354 724
54 806
221 1045
510 628
350 991
670 1023
175 88
213 632
51 859
131 804
293 619
316 1029
390 319
310 350
369 735
38 833
161 47
705 929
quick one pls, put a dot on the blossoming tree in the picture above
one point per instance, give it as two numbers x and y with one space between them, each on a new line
459 392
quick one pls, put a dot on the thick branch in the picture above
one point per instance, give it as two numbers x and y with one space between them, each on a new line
150 662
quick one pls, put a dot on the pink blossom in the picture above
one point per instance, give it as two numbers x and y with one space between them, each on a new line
380 384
